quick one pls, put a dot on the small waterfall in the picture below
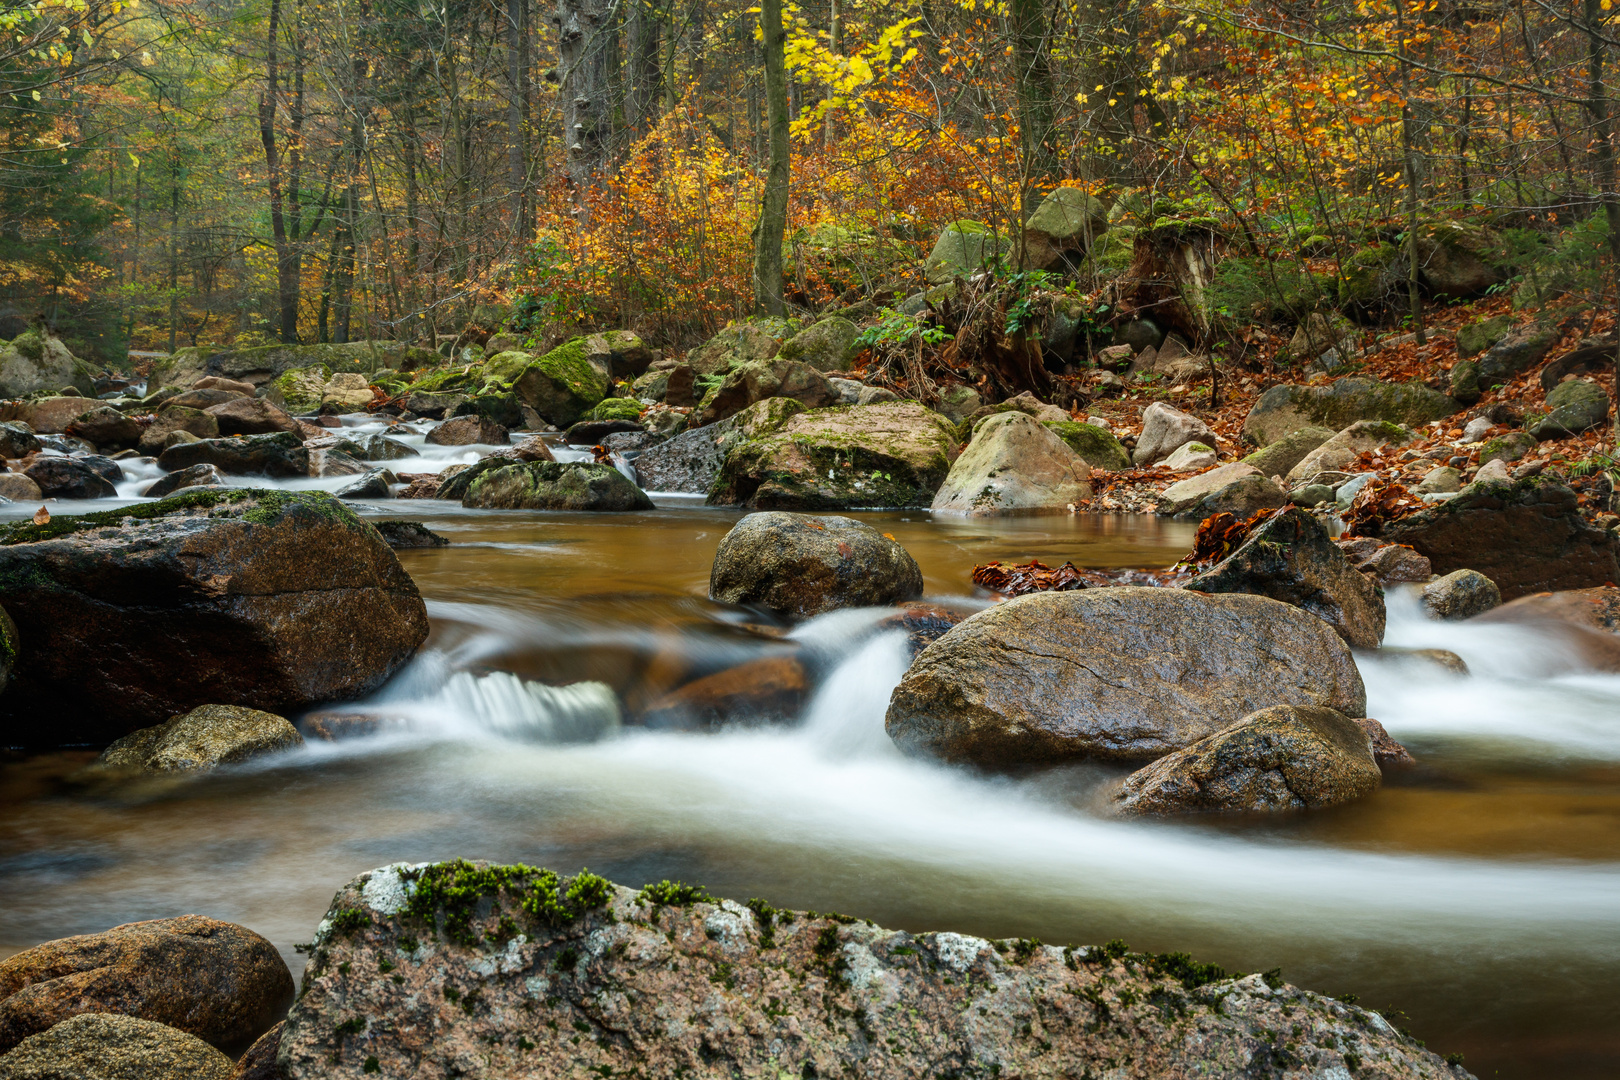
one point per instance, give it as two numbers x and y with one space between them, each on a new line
845 718
504 705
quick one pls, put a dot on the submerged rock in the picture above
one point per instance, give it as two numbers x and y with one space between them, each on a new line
1291 558
269 599
204 738
552 485
105 1046
402 535
801 566
1124 674
672 982
1014 464
1287 757
773 688
215 980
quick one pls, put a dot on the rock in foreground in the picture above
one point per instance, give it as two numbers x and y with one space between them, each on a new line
273 600
105 1046
528 976
215 980
1287 757
204 738
1126 674
800 566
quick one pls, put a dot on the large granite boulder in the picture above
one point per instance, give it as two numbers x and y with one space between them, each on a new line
515 972
890 455
268 599
1287 757
552 485
72 478
1518 351
1340 452
1063 228
963 249
250 416
1236 488
110 429
1164 430
689 462
1279 457
1097 445
280 454
1124 674
827 345
35 361
204 738
215 980
800 566
194 422
106 1046
1573 407
1285 409
1291 558
774 378
1527 536
1014 464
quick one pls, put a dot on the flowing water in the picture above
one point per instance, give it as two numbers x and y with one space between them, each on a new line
1476 899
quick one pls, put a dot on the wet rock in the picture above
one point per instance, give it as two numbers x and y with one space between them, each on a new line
1595 608
1125 674
1291 558
195 476
1164 429
1461 594
108 428
627 975
1388 564
431 405
1185 495
1526 536
272 600
773 688
203 399
216 382
1191 457
1097 446
631 442
1014 464
925 622
892 455
688 462
259 1063
17 440
48 416
1574 407
469 431
552 485
1444 659
105 1046
1518 351
800 566
330 460
281 454
592 432
346 392
561 386
1285 409
156 438
1287 757
69 478
204 738
215 980
775 378
382 448
1386 752
1341 451
19 488
251 416
1279 457
403 535
533 448
373 485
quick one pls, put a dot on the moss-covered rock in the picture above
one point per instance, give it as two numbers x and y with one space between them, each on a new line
499 408
760 380
1465 382
301 389
562 386
269 361
1516 352
1280 456
1287 408
1460 259
1063 228
36 361
828 345
617 408
554 485
1479 335
1096 445
1510 447
1574 407
1370 278
964 247
738 344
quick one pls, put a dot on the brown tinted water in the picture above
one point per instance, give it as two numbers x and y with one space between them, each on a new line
1477 898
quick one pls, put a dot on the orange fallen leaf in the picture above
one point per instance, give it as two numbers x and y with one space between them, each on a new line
42 516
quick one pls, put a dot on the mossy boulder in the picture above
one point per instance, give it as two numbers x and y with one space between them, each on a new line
890 455
36 361
1063 228
1098 446
738 344
1459 259
759 380
616 408
1370 278
618 354
1479 335
1287 408
503 409
1465 382
1279 457
300 390
1516 352
266 362
828 345
554 485
562 386
1112 256
964 248
1014 465
1341 451
1575 406
1510 447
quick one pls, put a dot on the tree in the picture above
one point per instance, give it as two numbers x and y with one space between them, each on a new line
771 227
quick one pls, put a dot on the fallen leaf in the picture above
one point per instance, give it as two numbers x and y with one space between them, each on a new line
42 516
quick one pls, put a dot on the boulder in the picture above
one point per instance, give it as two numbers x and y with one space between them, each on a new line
618 354
672 982
561 386
204 738
772 688
1494 472
1458 259
1465 382
35 361
797 565
1517 352
827 345
592 432
203 399
963 249
215 382
1191 457
1096 446
194 422
1285 409
250 416
108 428
1186 497
890 455
553 485
1341 451
402 535
1287 757
1291 558
70 478
17 440
259 1063
1385 750
204 475
1164 429
1387 564
281 454
215 980
373 484
959 401
615 410
381 448
1440 480
268 599
1461 594
1062 228
1573 407
736 345
1475 337
502 408
432 406
1278 457
1124 673
1510 447
329 459
689 462
469 431
1014 464
106 1046
1141 334
754 382
48 416
1320 333
19 488
1596 609
1526 536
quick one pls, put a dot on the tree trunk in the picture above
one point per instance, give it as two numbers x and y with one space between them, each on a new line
287 262
1602 143
643 29
174 252
516 151
1409 165
1035 96
772 223
584 54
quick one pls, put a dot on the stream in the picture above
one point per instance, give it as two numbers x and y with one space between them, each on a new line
1475 899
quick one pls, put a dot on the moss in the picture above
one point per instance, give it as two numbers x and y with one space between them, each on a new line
348 920
567 364
465 377
1368 276
30 344
1096 445
269 505
668 893
617 409
447 895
